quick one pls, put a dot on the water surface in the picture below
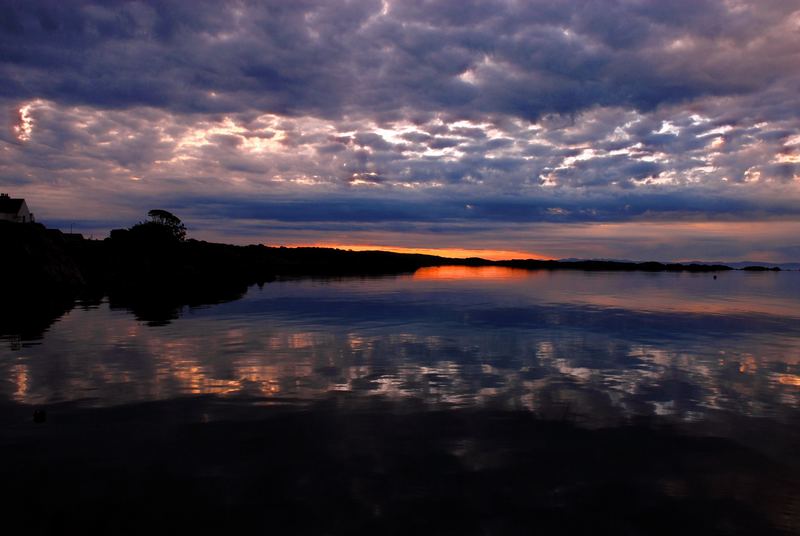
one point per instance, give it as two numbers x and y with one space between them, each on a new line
451 401
594 345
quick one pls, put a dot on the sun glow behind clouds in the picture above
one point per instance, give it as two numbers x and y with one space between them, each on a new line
453 253
24 126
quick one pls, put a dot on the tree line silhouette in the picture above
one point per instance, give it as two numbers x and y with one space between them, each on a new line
154 269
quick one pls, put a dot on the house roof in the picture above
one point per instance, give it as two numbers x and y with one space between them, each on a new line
9 205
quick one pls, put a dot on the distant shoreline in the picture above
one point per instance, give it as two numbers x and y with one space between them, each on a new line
143 262
154 276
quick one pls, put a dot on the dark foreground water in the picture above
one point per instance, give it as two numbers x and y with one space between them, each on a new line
454 401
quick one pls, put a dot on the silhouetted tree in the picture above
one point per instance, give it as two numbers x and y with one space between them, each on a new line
170 221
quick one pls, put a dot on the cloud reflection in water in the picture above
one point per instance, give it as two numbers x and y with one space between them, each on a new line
591 345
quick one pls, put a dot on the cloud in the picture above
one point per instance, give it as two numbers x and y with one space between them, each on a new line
373 58
402 113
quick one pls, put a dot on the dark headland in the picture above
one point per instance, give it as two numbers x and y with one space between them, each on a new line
153 270
149 257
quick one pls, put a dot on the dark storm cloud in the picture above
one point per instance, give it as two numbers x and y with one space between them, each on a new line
334 58
631 206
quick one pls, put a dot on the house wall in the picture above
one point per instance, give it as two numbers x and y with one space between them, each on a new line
24 215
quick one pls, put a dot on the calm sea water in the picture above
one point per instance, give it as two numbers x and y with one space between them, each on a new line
451 401
594 346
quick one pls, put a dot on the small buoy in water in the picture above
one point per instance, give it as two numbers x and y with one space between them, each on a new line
715 277
39 415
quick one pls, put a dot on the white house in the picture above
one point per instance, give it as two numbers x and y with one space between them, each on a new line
14 210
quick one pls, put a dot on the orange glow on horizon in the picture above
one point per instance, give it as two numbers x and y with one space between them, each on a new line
453 253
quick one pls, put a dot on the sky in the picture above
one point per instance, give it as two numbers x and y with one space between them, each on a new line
628 129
